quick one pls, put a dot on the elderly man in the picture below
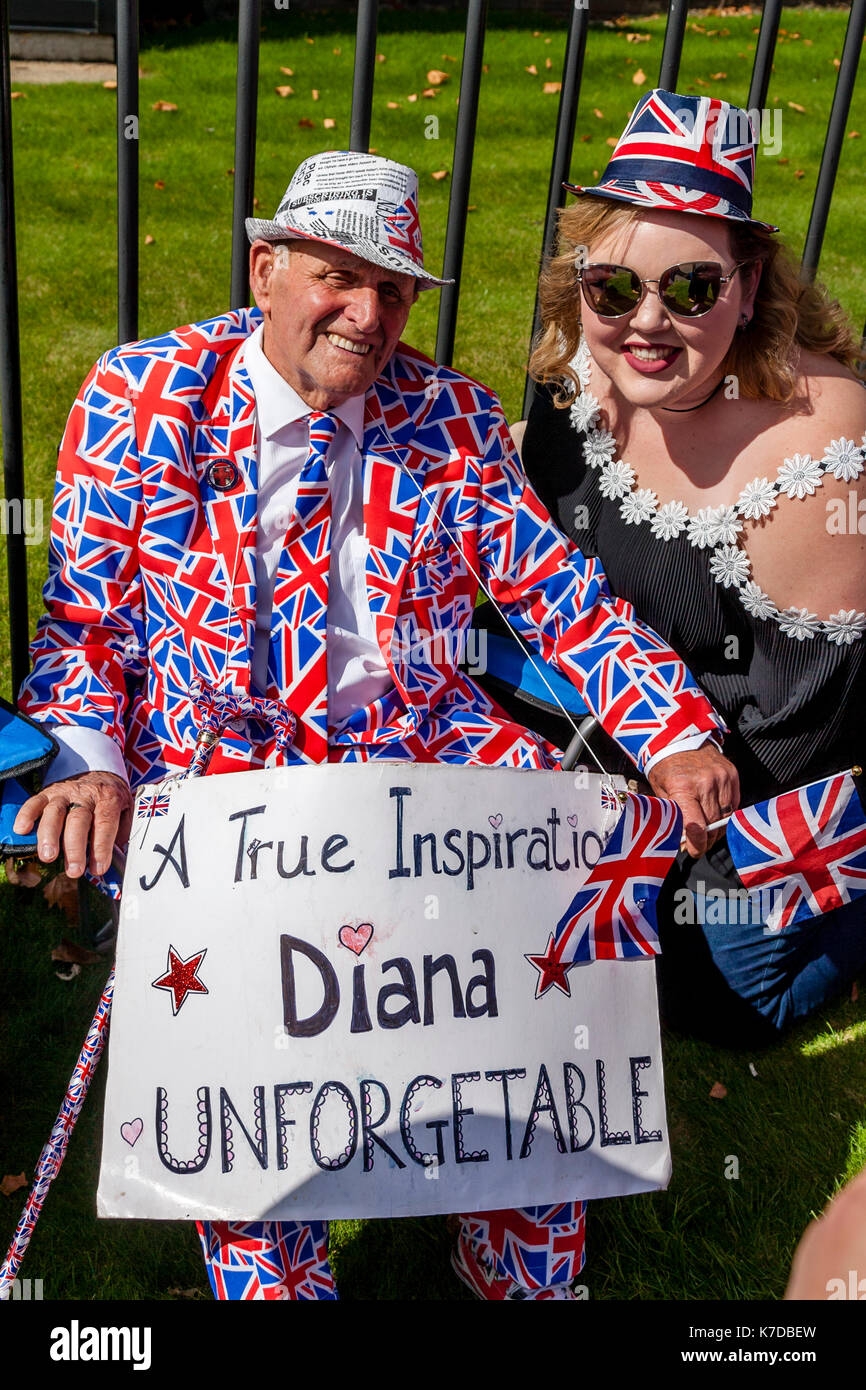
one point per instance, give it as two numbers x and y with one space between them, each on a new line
266 505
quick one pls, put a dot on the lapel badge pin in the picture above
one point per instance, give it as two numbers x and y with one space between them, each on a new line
223 475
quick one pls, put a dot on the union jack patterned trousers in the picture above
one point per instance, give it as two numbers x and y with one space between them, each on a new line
530 1250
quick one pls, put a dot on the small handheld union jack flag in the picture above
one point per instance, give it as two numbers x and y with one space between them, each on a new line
156 805
807 846
613 916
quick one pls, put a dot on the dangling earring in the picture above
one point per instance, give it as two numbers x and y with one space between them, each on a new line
745 320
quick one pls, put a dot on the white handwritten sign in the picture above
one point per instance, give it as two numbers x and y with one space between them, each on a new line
332 1001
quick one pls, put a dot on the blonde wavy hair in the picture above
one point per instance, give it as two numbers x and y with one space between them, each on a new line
788 314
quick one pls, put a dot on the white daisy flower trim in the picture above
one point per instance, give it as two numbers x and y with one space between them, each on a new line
670 520
728 525
584 412
730 565
599 448
845 627
800 475
616 479
757 499
756 602
844 459
799 623
703 527
582 363
638 506
717 528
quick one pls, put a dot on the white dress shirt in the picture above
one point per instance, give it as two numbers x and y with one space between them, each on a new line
357 671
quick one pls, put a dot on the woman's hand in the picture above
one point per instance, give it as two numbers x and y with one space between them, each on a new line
94 805
704 785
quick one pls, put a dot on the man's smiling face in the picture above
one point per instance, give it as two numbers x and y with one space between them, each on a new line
332 320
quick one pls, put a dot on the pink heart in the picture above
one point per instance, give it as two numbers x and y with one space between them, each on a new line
495 821
572 820
131 1131
355 938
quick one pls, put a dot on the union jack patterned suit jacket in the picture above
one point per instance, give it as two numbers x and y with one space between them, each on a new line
152 571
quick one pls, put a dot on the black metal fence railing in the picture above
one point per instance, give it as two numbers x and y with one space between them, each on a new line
362 98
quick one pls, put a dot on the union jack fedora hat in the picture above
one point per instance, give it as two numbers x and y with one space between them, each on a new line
359 202
684 154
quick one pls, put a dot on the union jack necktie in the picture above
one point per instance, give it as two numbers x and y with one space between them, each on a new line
297 661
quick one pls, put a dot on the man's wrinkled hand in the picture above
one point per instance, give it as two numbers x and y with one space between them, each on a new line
704 785
94 807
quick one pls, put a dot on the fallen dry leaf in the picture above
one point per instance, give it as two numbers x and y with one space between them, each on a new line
472 207
637 38
853 135
285 91
62 891
795 106
585 139
380 58
807 43
699 82
718 1091
485 67
310 41
329 123
446 58
163 106
837 63
439 175
429 92
15 95
436 77
27 876
718 76
595 173
160 183
315 94
290 72
550 88
599 114
149 240
639 78
783 161
70 951
532 70
611 140
548 63
337 51
230 173
255 202
306 124
413 97
11 1182
110 86
799 173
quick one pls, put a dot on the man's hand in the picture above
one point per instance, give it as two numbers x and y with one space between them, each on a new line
704 785
93 805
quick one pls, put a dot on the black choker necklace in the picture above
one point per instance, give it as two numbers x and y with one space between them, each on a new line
684 410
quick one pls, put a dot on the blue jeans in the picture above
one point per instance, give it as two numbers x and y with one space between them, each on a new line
735 983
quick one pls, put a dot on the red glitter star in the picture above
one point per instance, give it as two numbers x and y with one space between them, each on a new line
181 977
551 972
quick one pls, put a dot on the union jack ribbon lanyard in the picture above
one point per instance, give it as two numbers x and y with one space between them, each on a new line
214 710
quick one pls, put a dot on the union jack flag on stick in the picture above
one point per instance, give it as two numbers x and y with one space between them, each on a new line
613 916
807 846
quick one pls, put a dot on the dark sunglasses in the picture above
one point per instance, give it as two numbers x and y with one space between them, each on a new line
687 290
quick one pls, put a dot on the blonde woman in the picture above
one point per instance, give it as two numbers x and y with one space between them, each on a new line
700 429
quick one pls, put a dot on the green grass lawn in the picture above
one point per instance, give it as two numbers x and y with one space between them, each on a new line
798 1127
